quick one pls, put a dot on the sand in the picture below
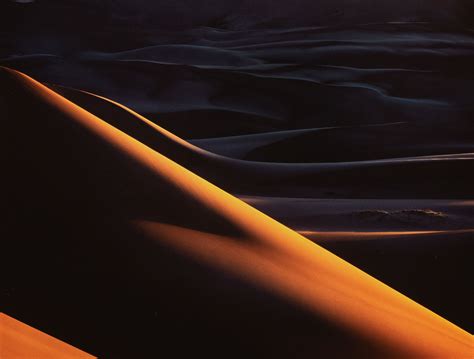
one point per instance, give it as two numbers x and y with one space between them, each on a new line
95 192
18 340
240 179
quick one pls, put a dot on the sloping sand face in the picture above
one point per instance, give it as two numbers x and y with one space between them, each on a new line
18 340
144 256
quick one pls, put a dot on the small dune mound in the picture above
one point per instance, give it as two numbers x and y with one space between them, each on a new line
410 216
371 215
417 215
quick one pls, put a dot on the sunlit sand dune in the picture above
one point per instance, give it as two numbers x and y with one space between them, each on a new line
18 341
138 253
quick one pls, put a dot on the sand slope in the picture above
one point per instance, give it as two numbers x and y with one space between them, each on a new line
140 246
420 247
18 340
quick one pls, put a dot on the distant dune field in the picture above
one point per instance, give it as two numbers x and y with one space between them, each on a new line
233 14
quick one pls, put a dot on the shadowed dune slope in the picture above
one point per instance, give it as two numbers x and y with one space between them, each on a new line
127 253
18 340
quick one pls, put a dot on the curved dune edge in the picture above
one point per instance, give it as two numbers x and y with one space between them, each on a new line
280 259
18 340
287 178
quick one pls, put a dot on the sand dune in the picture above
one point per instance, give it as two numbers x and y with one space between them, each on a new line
422 264
89 190
256 81
188 54
347 143
419 247
342 236
241 146
324 179
233 14
18 340
403 215
348 121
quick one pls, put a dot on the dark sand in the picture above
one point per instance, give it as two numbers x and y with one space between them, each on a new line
351 124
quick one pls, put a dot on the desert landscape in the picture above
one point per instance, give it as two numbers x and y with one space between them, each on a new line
239 180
